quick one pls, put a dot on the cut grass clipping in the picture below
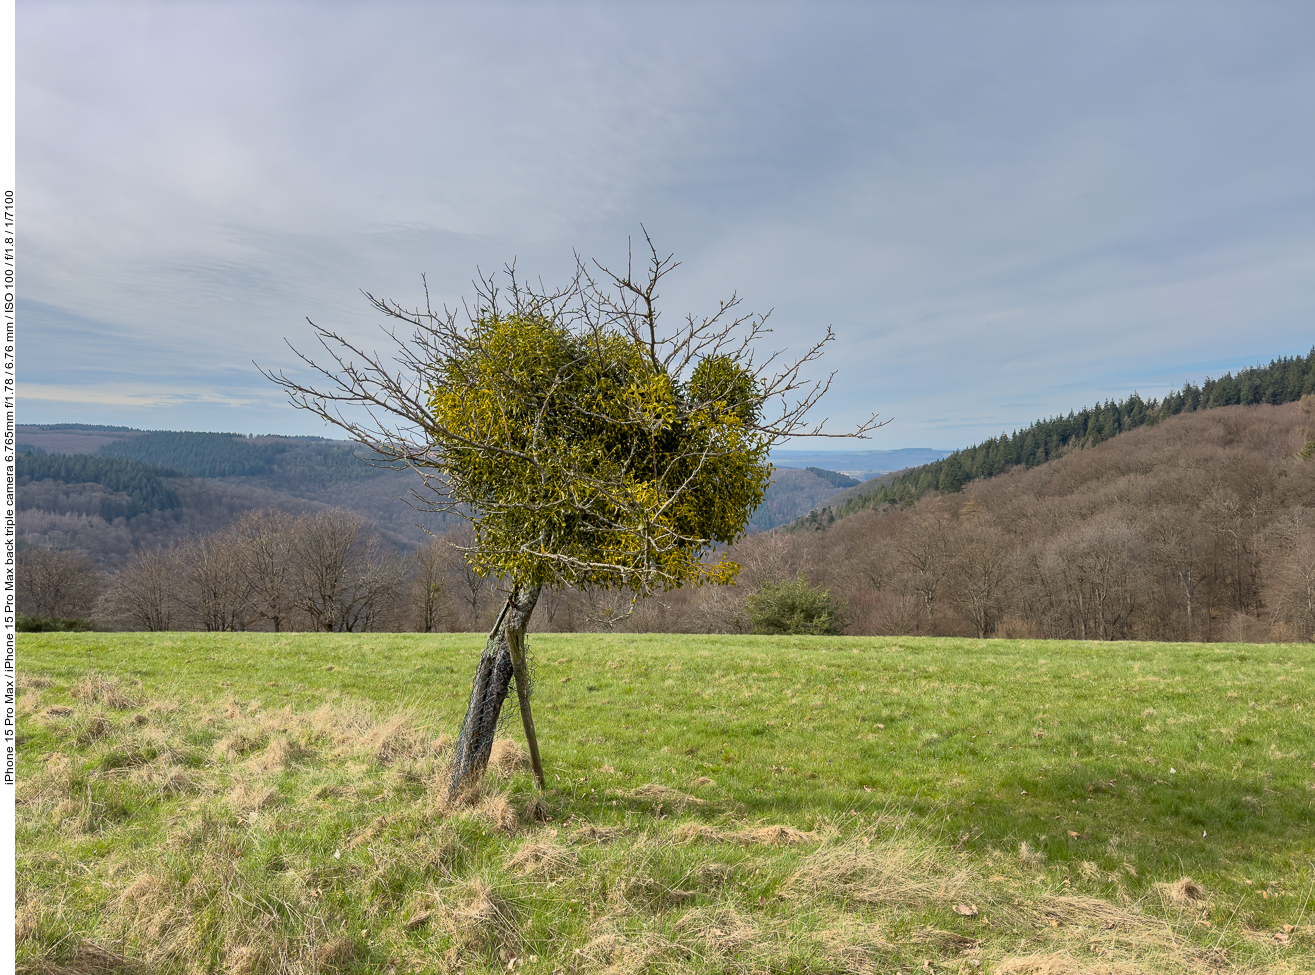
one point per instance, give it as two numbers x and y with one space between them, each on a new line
271 803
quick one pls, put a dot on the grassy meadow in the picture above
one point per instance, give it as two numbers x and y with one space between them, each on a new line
272 803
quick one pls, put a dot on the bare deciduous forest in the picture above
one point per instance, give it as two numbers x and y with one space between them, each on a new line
1199 528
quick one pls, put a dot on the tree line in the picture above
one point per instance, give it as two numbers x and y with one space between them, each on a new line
1284 380
327 571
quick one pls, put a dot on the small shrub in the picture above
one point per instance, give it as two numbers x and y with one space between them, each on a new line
51 624
797 608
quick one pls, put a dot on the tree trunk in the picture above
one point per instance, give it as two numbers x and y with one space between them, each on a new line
503 658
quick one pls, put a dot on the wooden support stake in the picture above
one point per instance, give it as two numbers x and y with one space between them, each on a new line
516 643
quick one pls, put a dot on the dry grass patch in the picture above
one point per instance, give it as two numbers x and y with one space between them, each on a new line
1184 892
775 835
281 753
240 744
1063 964
616 952
480 917
93 959
544 857
508 758
335 954
251 795
537 809
590 833
495 809
886 872
854 946
397 739
92 728
722 930
105 690
695 832
1029 857
167 779
661 795
1094 912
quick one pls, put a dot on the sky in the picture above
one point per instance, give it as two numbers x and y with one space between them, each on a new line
1004 210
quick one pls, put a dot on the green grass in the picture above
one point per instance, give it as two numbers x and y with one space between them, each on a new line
196 824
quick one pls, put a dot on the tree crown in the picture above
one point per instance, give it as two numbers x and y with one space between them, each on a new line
587 445
588 463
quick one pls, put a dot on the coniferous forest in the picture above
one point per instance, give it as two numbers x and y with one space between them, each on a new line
132 488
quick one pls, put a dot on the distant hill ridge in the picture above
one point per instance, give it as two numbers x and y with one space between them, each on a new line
1284 380
315 467
834 478
208 455
236 455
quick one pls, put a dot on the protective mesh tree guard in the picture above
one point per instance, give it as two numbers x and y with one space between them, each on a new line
488 694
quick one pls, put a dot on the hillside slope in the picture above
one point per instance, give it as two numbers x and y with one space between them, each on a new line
110 491
1200 527
1284 380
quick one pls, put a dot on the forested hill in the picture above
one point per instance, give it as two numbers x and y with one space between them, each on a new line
295 460
833 478
1282 381
134 488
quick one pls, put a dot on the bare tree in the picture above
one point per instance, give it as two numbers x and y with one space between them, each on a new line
978 578
472 589
144 594
56 584
1175 546
266 538
215 590
923 550
345 580
1092 578
429 587
1292 594
719 609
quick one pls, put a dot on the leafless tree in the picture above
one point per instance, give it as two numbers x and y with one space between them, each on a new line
1092 579
266 549
345 580
144 594
1176 546
978 578
429 587
215 590
602 610
56 584
1292 595
718 609
472 590
924 553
